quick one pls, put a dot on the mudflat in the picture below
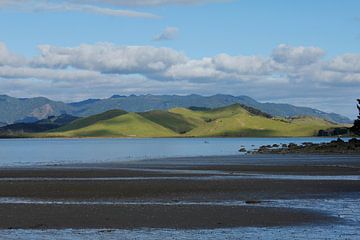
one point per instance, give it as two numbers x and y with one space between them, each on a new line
182 193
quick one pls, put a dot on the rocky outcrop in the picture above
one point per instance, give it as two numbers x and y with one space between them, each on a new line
337 146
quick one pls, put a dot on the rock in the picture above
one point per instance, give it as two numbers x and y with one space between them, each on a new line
307 144
242 149
292 145
275 145
284 145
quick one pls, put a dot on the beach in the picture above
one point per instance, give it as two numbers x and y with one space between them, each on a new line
176 193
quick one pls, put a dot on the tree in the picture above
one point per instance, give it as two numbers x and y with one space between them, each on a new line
356 128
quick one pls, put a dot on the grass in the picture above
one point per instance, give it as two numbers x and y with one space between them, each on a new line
170 120
231 121
88 121
126 125
236 121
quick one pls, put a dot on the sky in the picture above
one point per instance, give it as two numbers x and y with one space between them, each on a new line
300 52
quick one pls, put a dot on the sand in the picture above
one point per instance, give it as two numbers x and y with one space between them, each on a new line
181 193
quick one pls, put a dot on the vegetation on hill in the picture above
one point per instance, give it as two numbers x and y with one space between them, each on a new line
88 121
235 121
170 120
231 121
33 109
123 125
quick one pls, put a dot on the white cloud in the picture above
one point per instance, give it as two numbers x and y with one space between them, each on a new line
348 63
48 74
109 58
169 33
65 6
286 64
242 64
102 69
297 56
9 58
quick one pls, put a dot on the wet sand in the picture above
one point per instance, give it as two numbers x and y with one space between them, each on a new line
149 216
166 185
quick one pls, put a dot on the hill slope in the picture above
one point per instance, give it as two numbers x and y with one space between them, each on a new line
88 121
170 120
33 109
231 121
124 125
149 102
235 121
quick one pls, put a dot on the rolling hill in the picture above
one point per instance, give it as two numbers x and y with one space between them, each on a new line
123 125
231 121
19 110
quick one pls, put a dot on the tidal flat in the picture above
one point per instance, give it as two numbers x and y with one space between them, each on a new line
188 194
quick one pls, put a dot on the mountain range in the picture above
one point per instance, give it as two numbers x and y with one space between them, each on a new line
27 110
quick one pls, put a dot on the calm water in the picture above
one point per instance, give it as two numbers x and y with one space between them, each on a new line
28 152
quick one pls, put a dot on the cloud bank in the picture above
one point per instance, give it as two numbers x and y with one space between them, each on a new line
104 68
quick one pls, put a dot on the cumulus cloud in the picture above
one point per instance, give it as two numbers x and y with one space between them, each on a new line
169 33
9 58
286 54
347 63
109 58
98 69
286 64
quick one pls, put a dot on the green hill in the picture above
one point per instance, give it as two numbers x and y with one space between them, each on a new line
88 121
231 121
170 120
236 121
125 125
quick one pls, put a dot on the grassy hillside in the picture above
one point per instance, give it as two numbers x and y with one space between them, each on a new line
231 121
170 120
88 121
125 125
236 121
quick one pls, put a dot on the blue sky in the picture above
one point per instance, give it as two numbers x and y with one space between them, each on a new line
320 33
235 27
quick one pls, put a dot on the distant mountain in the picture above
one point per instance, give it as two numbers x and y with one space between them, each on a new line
33 109
29 109
43 125
231 121
143 103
